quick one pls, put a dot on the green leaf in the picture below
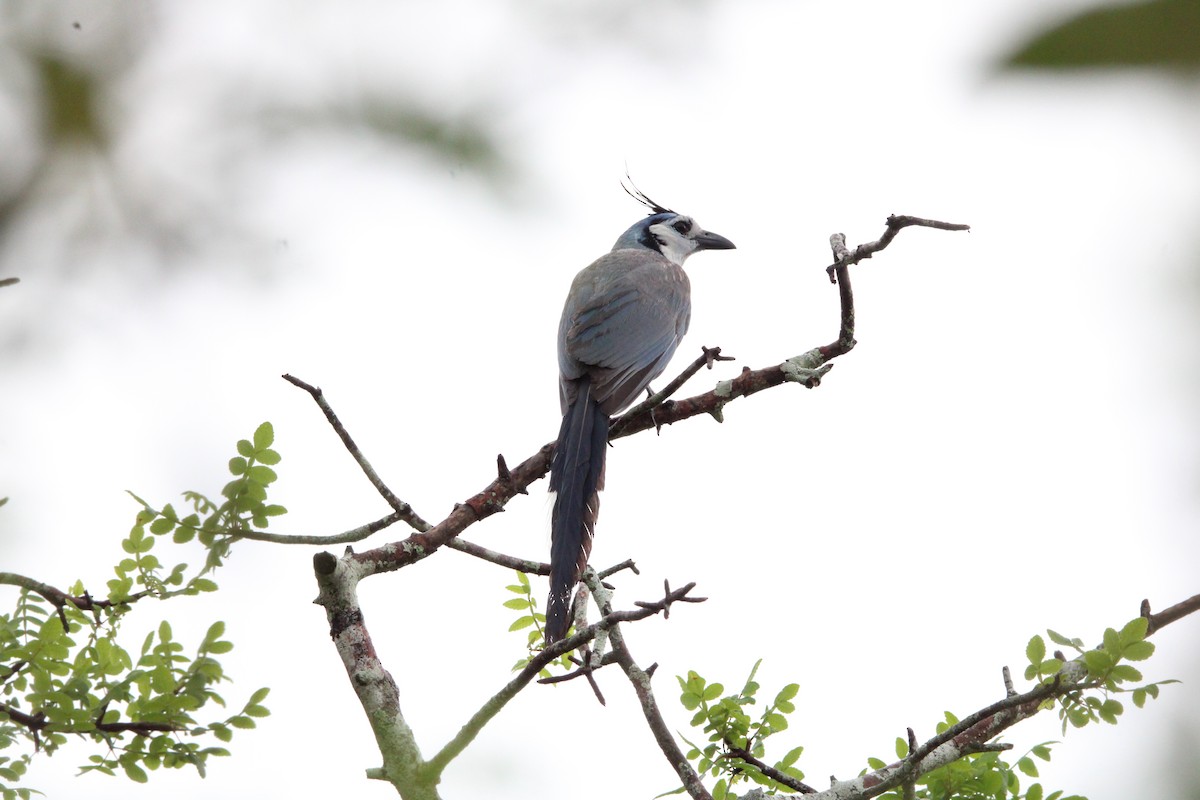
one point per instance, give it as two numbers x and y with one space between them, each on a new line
264 436
1110 709
1027 766
517 603
1139 651
259 695
134 772
264 476
1112 642
1035 651
1125 672
268 457
713 691
1041 751
237 465
1059 639
521 622
1134 631
1034 792
791 757
162 525
1098 662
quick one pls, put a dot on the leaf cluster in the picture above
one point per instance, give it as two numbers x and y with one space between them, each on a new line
65 672
733 731
979 776
1106 672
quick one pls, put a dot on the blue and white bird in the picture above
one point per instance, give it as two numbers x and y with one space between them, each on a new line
624 316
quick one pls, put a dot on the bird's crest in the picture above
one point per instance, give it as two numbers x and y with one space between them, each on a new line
637 194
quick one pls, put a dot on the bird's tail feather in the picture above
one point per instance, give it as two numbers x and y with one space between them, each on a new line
577 475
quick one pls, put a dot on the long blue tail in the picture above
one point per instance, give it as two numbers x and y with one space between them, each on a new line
576 474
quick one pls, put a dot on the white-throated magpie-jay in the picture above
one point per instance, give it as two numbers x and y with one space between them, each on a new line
625 314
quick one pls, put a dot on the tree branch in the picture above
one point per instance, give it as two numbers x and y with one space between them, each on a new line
640 680
403 766
347 537
807 369
974 733
768 770
402 508
59 599
38 722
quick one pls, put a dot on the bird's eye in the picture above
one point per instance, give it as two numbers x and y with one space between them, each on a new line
681 226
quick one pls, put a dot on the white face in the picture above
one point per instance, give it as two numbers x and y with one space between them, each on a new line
674 238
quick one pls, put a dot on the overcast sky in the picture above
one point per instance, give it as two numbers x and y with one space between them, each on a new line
1011 446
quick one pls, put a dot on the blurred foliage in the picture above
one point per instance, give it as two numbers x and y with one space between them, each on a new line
69 69
65 673
1162 34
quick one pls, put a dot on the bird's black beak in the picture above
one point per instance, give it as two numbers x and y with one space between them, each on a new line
713 241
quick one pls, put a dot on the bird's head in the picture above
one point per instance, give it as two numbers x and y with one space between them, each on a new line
674 236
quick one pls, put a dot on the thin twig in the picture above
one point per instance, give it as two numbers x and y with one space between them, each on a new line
895 223
435 765
346 537
706 359
640 680
402 508
512 562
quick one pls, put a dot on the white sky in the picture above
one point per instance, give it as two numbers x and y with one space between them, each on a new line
1010 447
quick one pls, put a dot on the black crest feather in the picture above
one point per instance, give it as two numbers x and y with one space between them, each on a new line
637 194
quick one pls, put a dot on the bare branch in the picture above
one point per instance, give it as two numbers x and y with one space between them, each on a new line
895 223
434 767
347 537
708 357
640 680
807 369
512 562
402 508
1175 612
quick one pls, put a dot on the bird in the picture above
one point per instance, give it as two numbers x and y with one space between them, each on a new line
623 318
